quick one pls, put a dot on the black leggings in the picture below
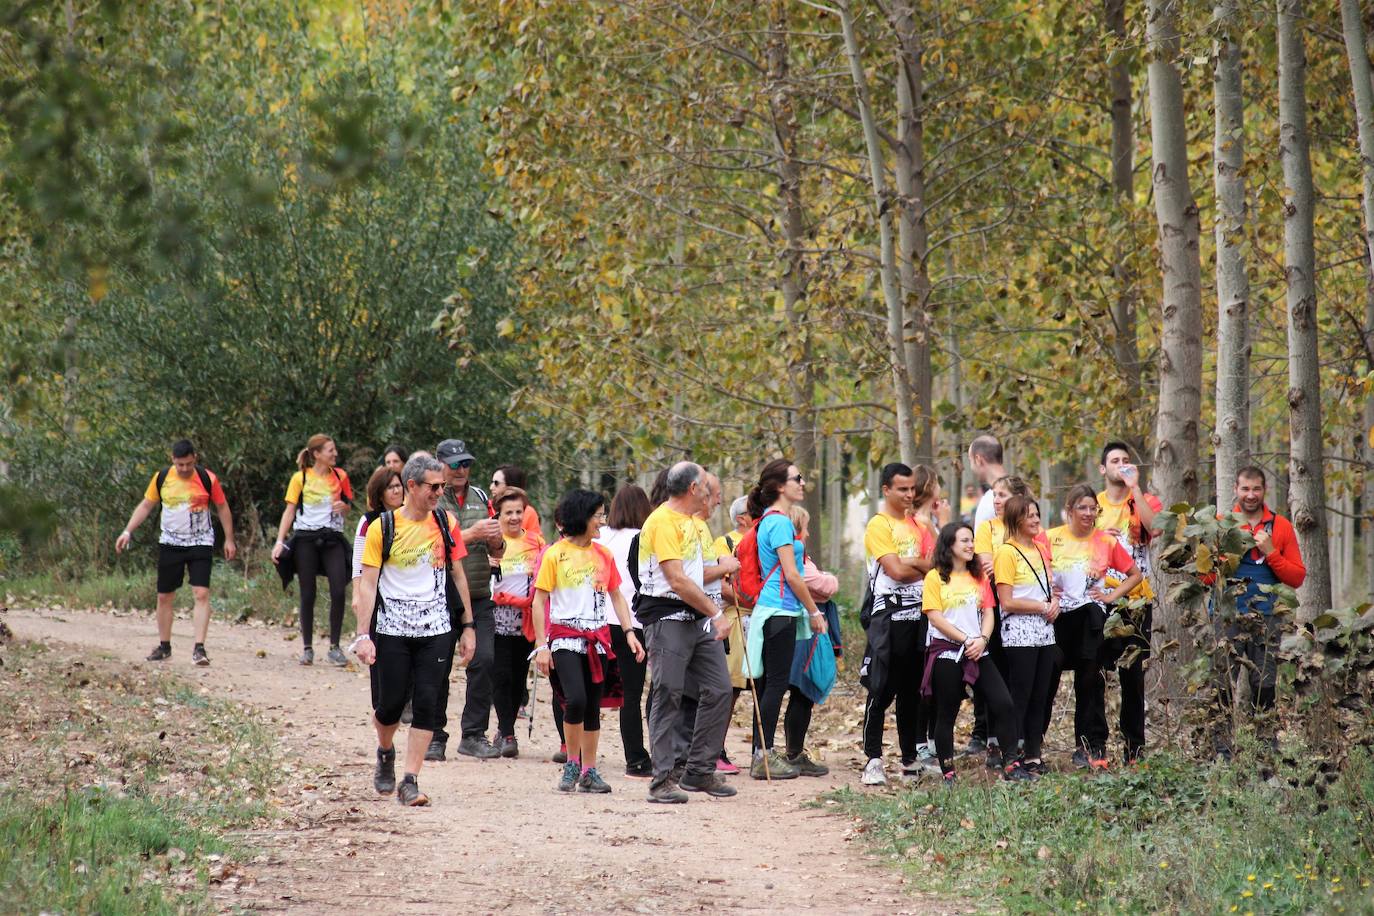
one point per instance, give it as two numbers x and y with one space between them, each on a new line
632 680
316 555
510 666
1030 669
410 668
582 696
779 645
947 685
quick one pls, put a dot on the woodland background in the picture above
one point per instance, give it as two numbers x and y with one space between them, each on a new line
592 238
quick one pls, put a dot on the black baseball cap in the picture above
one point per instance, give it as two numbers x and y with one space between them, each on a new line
453 450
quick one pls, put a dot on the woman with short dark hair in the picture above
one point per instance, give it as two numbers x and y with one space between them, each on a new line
577 582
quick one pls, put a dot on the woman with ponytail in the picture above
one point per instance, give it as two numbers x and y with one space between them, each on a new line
317 499
777 621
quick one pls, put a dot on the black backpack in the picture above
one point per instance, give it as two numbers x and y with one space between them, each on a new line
203 474
388 520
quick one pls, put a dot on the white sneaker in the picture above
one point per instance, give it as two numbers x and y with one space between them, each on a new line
874 775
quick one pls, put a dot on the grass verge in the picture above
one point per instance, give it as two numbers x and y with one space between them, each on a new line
131 585
1168 836
122 787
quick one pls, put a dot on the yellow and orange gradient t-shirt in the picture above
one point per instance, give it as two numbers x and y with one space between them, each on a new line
186 509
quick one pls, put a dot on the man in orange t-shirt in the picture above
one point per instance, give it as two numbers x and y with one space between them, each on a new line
186 543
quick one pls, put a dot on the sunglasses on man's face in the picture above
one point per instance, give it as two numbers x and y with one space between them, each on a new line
459 465
433 487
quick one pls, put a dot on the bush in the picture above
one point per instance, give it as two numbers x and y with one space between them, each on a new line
1166 836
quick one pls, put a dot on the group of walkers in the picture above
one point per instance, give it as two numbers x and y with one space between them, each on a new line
639 592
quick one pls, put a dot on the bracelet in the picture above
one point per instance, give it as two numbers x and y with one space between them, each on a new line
467 626
357 639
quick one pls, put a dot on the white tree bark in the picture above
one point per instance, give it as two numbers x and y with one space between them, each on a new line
1231 438
1307 489
882 206
1360 78
1180 360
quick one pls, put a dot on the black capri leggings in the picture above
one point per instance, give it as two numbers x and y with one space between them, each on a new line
510 665
316 555
947 686
583 698
410 667
1030 671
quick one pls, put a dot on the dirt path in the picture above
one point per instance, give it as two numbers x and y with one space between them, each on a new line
494 838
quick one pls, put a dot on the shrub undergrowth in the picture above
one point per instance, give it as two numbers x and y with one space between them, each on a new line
1166 836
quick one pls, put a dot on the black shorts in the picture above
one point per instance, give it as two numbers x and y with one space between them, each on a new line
173 564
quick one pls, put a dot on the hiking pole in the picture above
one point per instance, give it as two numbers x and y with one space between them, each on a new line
534 700
753 694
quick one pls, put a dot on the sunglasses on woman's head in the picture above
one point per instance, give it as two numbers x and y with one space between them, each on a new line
459 465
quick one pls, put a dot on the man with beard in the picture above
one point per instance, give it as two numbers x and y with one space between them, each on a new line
1255 631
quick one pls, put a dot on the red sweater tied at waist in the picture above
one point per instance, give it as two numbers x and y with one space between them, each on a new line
601 636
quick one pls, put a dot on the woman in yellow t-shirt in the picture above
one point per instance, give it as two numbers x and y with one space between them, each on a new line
1023 572
958 604
317 499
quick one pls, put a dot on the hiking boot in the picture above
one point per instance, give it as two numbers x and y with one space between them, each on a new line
1098 765
407 713
949 780
724 767
994 761
384 777
509 746
975 747
926 760
561 756
806 766
308 656
667 793
336 656
408 793
436 750
199 658
710 783
644 770
160 654
772 766
1080 759
874 774
677 772
1037 767
478 746
523 713
591 781
571 771
1018 773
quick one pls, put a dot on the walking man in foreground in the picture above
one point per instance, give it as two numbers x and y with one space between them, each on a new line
186 543
407 573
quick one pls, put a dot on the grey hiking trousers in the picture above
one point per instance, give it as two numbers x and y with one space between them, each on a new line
678 648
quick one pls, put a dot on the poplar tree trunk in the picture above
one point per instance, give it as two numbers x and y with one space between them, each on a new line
1306 485
792 216
1180 361
912 236
882 207
1360 77
1125 345
1231 439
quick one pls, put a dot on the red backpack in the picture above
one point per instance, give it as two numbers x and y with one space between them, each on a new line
750 578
